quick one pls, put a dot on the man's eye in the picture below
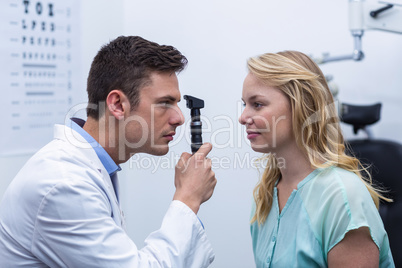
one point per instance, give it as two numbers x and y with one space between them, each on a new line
257 104
164 103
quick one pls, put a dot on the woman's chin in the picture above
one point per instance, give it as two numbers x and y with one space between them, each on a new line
261 148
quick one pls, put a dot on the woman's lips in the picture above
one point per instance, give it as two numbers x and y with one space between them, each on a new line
252 134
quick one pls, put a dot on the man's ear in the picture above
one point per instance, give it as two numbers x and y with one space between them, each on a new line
117 103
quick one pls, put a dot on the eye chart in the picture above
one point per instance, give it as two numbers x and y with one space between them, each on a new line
39 69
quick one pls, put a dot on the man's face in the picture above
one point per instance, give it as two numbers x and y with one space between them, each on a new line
152 124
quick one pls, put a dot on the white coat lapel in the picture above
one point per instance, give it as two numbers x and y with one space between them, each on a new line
76 140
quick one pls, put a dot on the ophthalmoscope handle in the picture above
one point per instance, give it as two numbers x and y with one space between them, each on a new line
195 105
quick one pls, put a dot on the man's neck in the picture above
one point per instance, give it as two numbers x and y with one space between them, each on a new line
99 130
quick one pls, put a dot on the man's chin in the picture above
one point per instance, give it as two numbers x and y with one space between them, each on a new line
159 150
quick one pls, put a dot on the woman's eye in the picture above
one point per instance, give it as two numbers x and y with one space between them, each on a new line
257 104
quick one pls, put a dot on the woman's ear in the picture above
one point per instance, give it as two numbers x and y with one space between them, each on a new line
117 104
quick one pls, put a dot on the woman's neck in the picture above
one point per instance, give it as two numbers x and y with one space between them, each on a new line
295 168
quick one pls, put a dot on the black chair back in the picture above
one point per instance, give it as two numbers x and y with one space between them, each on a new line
385 161
384 158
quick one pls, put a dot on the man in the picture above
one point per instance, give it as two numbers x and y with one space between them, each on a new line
62 209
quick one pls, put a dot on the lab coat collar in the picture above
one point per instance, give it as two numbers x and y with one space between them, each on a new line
85 152
111 167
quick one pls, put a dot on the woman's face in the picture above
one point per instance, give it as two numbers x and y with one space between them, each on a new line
267 116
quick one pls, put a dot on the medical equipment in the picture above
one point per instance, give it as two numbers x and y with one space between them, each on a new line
384 16
195 104
384 158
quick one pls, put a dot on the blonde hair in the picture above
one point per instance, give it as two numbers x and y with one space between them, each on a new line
315 122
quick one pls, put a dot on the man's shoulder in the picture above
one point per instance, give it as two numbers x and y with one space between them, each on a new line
58 161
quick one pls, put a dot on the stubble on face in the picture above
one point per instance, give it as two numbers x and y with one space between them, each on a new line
156 117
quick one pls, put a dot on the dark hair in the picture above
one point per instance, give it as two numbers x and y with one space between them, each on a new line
126 64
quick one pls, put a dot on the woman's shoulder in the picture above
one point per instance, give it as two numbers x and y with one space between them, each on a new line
339 179
336 172
338 201
337 191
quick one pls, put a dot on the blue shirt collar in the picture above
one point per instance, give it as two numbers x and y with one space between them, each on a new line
110 166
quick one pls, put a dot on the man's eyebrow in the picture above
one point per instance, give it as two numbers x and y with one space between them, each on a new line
168 97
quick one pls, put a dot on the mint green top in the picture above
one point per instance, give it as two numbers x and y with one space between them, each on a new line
326 205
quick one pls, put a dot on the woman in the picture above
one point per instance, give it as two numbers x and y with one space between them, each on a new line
313 207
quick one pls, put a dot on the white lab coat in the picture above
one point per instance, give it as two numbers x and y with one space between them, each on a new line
61 211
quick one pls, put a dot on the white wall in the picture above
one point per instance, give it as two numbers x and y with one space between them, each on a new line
101 21
217 37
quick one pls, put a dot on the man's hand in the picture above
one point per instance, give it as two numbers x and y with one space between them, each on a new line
194 179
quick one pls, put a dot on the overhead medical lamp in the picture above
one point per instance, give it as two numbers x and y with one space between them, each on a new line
383 16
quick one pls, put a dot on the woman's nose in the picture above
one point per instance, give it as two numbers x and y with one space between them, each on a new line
245 118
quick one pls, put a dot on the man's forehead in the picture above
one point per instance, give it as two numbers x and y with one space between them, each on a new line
161 85
161 93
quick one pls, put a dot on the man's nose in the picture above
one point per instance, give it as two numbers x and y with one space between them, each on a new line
177 117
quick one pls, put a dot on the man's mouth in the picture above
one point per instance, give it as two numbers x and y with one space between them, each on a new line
170 135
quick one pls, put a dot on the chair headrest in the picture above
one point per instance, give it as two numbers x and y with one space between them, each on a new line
360 116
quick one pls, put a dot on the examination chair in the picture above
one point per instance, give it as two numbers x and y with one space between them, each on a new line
385 160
